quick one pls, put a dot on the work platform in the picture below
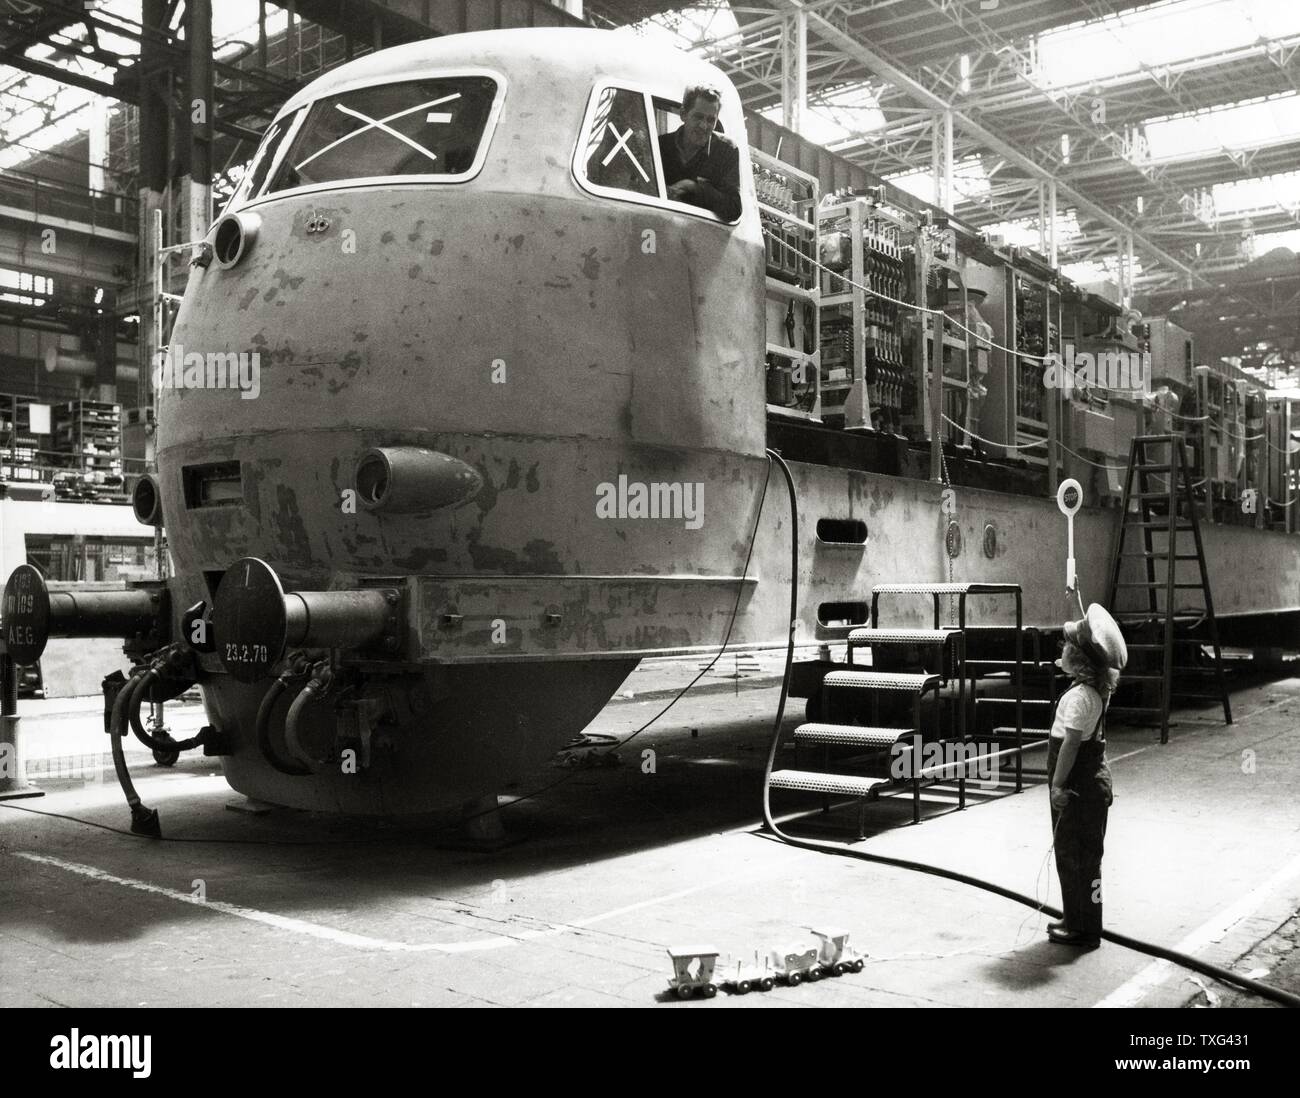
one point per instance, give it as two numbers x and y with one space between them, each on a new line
619 861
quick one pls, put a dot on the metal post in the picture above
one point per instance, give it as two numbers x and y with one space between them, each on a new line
936 142
13 766
1129 262
787 73
800 71
198 34
1051 222
1042 219
948 201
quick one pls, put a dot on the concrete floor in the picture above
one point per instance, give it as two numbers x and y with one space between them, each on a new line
617 863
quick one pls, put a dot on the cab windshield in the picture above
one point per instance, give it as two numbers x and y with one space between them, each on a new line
419 128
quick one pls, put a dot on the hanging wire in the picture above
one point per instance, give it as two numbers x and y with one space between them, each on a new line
989 441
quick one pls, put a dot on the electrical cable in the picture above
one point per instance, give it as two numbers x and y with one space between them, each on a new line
1277 995
990 442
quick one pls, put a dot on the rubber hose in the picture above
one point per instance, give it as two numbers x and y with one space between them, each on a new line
136 703
278 687
291 738
1277 995
116 731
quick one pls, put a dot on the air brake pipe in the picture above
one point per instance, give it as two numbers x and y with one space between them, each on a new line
1224 975
264 725
144 820
316 687
138 694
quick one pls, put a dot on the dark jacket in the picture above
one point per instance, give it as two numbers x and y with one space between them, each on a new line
715 169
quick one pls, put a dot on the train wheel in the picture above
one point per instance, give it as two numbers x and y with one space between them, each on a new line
710 991
743 987
683 991
795 979
766 983
814 974
858 966
840 969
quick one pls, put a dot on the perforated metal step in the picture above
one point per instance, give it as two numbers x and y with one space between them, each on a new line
945 588
881 680
850 735
844 785
901 636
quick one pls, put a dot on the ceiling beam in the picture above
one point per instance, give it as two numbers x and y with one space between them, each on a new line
836 36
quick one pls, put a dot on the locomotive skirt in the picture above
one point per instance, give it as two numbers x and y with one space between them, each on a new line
1080 834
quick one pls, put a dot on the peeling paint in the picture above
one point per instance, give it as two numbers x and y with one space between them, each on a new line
288 281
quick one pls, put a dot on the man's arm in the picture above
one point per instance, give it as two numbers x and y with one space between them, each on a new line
723 195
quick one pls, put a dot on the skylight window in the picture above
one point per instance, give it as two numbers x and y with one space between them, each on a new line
1159 35
1264 122
1246 196
969 180
1263 243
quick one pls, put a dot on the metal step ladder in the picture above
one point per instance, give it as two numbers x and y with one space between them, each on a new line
1159 481
841 691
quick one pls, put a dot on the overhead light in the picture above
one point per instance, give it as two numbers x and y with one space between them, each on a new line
1065 147
965 72
1142 205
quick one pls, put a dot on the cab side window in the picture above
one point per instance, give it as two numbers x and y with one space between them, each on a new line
620 155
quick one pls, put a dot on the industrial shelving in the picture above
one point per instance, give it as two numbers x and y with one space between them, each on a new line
788 200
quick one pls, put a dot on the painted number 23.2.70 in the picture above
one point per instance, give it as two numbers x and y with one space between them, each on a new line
246 653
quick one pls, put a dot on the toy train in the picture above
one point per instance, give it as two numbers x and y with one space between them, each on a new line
696 970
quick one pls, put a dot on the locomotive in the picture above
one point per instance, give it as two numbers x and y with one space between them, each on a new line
464 416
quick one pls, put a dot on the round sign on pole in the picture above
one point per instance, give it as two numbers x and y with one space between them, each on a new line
1069 497
26 615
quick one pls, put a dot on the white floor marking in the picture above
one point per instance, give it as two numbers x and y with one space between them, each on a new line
1134 990
344 937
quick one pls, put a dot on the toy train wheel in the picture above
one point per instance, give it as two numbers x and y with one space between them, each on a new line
858 966
709 991
839 969
742 988
814 974
766 983
795 979
683 991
